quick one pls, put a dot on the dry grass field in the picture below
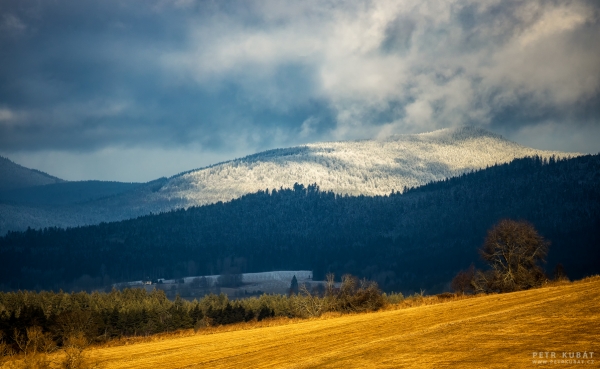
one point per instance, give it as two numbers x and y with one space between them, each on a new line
495 331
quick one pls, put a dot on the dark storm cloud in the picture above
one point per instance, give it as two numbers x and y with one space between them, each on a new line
224 76
84 75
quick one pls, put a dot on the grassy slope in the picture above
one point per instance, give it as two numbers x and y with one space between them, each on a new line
496 331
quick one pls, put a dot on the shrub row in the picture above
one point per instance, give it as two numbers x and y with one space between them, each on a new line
132 312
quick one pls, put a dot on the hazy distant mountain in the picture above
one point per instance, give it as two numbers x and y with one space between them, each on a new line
368 167
65 193
14 176
70 204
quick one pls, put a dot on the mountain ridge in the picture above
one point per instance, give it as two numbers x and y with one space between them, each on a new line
16 176
362 167
367 163
418 239
458 132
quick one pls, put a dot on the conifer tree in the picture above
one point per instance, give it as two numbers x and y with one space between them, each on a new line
294 286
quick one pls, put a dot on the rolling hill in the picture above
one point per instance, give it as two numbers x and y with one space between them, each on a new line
14 176
415 240
65 193
366 167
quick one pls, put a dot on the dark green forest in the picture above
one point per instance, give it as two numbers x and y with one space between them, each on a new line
406 241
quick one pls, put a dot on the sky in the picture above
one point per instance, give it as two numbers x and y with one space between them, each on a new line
139 89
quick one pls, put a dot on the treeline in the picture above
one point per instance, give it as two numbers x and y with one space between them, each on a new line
105 316
404 242
100 317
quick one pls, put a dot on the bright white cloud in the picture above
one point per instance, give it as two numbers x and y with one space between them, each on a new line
440 69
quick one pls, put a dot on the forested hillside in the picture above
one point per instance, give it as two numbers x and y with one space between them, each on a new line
70 204
14 176
418 239
65 193
364 167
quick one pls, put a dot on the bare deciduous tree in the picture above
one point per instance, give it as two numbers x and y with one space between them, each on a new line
34 345
6 351
513 249
74 347
34 341
352 296
462 282
329 284
559 273
309 304
71 322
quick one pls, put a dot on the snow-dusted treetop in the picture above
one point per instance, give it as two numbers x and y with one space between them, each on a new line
368 167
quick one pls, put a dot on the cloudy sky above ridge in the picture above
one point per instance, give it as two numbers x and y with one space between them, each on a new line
138 89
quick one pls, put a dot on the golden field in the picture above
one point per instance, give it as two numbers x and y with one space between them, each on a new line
494 331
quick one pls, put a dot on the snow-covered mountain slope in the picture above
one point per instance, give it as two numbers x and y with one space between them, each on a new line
368 167
13 176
